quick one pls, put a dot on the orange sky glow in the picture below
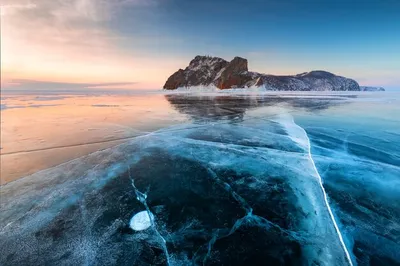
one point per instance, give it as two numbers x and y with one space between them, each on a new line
69 44
73 42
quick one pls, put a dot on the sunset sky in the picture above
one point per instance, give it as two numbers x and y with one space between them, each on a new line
137 44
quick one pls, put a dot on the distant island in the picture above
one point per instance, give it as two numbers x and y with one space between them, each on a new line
215 72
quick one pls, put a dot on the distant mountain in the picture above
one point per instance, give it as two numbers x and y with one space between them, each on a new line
206 71
369 88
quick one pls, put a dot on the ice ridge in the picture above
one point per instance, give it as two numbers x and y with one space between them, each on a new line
305 143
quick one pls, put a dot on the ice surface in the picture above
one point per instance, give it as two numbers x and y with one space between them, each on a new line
299 135
241 181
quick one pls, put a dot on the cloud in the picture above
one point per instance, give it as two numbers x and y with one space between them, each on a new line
59 24
70 10
70 40
10 9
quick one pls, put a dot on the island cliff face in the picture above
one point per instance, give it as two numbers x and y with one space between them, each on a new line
207 71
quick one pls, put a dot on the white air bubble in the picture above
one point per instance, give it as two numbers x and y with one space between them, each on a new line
141 221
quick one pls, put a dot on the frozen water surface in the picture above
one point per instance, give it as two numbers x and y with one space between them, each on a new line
205 179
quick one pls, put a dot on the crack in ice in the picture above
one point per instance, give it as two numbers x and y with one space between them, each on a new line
249 217
142 197
307 144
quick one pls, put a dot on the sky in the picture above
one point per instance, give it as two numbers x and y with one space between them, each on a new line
138 44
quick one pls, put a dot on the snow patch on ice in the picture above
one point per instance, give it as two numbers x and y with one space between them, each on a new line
294 132
213 89
209 88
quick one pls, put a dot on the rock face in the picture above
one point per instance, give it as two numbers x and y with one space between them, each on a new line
234 74
202 70
208 71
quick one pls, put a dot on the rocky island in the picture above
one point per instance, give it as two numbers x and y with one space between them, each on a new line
207 71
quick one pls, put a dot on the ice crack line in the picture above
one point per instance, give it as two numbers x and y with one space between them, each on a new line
142 197
248 218
325 196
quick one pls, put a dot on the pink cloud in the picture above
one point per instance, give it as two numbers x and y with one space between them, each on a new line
67 41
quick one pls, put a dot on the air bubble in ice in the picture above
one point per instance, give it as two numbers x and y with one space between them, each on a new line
141 221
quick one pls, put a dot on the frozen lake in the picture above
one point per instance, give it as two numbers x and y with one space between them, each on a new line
200 179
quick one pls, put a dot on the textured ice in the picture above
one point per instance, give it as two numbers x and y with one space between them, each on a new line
299 135
244 182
